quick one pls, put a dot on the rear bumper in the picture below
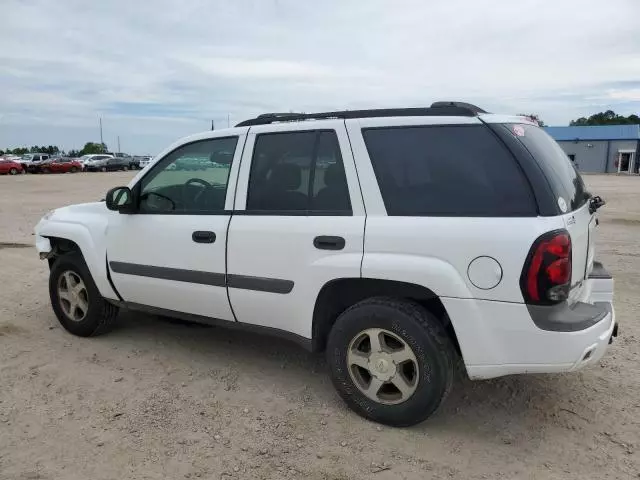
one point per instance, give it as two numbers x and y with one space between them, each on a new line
503 338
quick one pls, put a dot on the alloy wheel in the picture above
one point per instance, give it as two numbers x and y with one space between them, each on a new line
73 296
383 366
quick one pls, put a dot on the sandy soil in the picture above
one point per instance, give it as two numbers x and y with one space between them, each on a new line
158 400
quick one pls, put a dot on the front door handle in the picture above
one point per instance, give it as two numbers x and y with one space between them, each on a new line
201 236
328 243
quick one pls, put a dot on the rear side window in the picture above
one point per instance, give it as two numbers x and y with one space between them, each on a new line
299 173
448 170
560 171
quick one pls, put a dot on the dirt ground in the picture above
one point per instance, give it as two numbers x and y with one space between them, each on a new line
156 400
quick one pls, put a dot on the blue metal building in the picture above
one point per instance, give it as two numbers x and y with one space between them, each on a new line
600 149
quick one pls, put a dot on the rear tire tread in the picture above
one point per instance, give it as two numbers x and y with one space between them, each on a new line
444 349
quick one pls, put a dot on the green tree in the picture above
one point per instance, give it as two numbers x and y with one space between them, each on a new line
534 117
73 153
608 117
91 147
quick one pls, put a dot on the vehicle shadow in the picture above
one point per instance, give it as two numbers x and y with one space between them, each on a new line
499 409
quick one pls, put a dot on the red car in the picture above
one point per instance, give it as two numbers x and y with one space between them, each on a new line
60 165
10 167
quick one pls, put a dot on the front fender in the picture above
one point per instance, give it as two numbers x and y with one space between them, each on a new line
93 248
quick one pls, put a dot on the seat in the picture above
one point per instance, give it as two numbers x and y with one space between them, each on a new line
281 190
335 194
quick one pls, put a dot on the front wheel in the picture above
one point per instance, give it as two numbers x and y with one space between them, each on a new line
125 168
76 300
13 171
46 170
74 169
391 361
103 169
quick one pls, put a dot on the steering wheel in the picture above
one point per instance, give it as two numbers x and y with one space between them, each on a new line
194 181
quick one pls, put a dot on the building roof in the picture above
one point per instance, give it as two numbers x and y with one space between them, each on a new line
595 132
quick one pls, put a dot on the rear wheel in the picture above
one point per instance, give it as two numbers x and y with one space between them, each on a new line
391 361
76 300
46 170
103 169
13 171
125 168
73 170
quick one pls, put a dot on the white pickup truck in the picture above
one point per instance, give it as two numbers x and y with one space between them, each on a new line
397 241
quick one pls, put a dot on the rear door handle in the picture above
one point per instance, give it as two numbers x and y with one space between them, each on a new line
201 236
328 243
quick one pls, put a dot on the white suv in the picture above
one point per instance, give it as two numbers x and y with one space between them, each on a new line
398 241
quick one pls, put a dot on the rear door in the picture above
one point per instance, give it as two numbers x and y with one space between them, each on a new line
571 196
298 223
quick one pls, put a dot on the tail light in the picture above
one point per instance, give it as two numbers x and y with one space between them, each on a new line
546 276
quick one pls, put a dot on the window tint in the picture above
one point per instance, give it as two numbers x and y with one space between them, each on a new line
563 177
298 172
447 171
192 178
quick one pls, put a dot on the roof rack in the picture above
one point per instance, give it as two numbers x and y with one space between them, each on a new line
459 109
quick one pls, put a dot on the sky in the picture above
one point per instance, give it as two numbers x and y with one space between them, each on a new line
158 70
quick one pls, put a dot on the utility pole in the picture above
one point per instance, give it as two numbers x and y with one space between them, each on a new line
101 141
119 144
213 127
228 121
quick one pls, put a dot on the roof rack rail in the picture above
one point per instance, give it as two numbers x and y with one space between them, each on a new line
459 109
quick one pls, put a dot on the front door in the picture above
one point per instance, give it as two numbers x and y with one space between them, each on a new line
170 254
298 223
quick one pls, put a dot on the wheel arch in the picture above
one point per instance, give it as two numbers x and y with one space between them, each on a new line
337 295
66 238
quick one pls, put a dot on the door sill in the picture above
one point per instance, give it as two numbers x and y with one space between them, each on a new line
216 322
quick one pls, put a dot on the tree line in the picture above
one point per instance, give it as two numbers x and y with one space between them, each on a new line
607 118
89 148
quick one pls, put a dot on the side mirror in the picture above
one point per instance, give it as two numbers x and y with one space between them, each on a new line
120 199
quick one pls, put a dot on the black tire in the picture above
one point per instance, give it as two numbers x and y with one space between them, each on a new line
74 169
13 171
46 170
125 168
421 331
101 315
103 169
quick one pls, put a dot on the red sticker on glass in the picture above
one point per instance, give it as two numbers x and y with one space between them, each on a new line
518 130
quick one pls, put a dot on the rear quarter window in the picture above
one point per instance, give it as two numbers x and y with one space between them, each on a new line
565 181
447 170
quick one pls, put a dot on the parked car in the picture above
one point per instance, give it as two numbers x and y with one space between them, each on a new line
30 161
96 162
110 165
10 166
193 163
144 160
91 158
134 163
478 249
60 165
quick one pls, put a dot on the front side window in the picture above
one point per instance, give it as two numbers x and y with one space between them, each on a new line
191 179
447 170
298 172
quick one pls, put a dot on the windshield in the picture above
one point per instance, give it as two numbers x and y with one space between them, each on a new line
27 156
563 177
